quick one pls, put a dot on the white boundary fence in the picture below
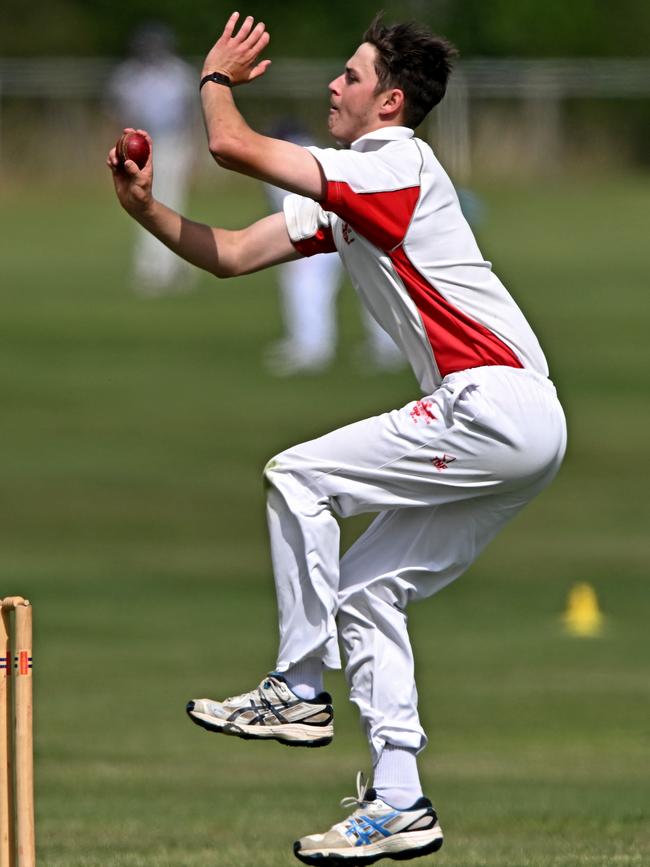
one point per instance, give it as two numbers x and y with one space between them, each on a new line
69 78
540 86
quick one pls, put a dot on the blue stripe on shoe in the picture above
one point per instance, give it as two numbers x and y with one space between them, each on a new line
363 827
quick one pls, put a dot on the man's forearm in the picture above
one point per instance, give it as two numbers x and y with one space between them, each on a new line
197 243
235 146
236 57
231 141
222 252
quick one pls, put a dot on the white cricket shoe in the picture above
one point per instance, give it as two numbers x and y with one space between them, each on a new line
270 712
375 830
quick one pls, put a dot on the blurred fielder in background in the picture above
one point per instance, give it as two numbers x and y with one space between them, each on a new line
156 89
308 290
445 472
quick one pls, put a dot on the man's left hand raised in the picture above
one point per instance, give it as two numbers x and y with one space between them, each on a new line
236 54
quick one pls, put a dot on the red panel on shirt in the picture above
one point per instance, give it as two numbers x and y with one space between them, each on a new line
457 340
321 242
382 218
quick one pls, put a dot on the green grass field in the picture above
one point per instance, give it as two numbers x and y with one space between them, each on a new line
133 437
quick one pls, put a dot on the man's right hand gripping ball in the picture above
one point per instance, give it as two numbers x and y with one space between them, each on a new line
132 184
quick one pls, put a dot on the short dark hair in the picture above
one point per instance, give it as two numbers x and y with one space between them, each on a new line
414 60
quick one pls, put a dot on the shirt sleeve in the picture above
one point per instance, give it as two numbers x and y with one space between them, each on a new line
374 191
308 226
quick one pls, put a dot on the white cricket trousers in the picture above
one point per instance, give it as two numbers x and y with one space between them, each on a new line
445 473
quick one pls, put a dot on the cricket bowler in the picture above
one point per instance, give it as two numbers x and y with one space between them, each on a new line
444 473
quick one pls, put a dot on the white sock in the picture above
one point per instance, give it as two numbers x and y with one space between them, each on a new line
395 778
305 678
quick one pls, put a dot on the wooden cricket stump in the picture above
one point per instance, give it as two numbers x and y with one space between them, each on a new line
17 837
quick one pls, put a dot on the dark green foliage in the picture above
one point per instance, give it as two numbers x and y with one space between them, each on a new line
552 28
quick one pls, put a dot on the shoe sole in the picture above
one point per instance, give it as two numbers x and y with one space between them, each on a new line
362 855
289 734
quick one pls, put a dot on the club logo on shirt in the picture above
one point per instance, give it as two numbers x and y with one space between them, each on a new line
441 463
346 231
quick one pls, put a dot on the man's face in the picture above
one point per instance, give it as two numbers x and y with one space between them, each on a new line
354 103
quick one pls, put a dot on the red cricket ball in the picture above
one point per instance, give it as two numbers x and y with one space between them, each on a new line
132 146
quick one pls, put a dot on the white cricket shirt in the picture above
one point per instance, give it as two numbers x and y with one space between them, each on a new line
393 215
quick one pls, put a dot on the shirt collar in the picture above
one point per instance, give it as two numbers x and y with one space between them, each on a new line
372 140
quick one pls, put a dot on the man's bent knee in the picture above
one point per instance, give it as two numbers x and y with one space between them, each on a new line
293 477
267 473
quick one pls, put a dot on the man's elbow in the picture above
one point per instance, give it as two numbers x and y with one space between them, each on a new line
224 150
223 272
227 266
219 158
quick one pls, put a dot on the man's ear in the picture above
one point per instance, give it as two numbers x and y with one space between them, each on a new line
392 104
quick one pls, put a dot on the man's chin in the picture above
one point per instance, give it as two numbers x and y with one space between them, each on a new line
335 132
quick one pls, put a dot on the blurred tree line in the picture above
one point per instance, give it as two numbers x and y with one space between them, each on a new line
524 28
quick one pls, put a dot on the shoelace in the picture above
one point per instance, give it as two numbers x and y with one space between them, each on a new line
362 788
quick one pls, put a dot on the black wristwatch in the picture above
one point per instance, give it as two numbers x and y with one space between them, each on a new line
217 77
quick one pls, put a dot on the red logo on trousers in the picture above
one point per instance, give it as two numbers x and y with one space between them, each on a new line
422 412
443 462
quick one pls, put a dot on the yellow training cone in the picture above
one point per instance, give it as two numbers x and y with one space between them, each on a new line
583 617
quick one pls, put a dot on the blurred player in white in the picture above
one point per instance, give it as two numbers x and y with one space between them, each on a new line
308 290
445 472
156 89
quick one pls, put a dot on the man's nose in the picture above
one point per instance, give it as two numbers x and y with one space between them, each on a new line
333 85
